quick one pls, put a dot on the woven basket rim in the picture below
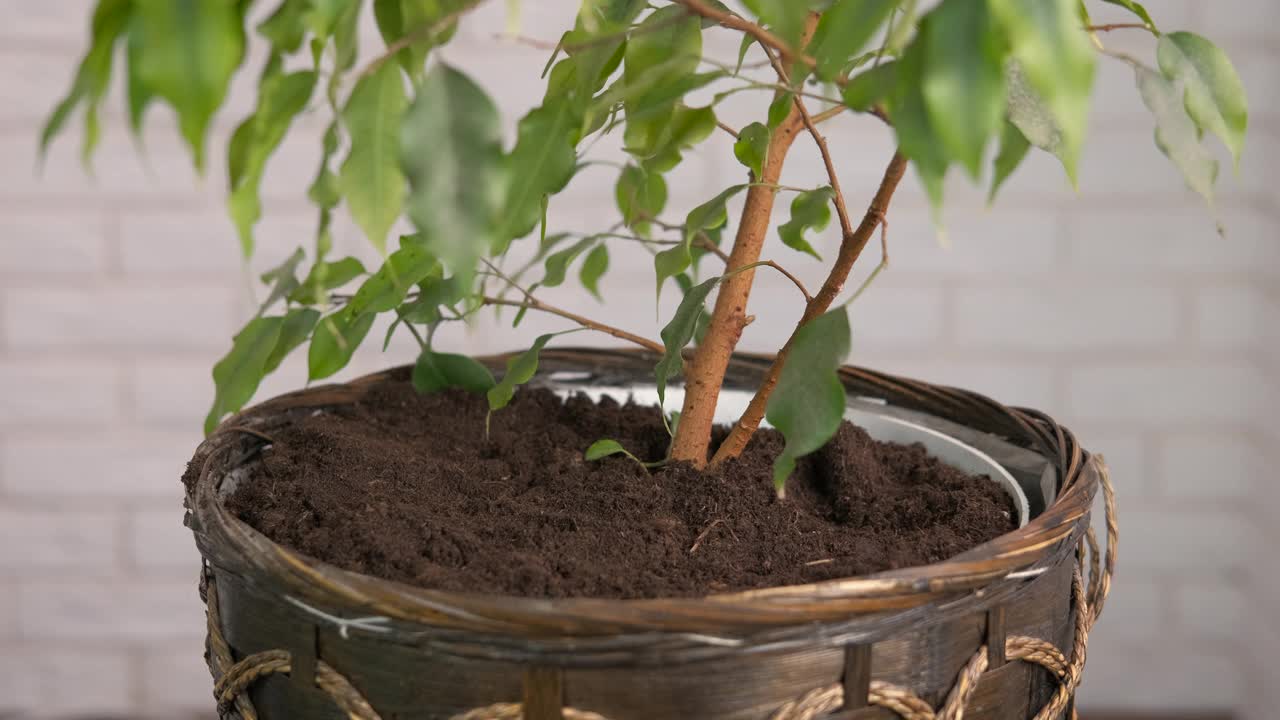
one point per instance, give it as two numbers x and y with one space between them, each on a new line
885 599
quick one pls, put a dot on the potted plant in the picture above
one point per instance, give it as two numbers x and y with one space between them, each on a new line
562 532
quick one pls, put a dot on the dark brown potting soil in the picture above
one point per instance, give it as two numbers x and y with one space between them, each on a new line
406 487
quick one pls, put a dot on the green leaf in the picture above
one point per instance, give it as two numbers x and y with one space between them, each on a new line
386 289
808 404
963 83
661 60
334 341
398 19
1136 9
370 178
752 146
809 211
686 127
282 279
779 109
541 164
640 195
325 276
1176 134
1013 148
280 99
679 331
436 371
871 87
1215 97
520 370
1033 118
593 267
670 263
743 47
451 147
711 214
785 17
1058 61
285 28
917 135
844 29
237 375
93 76
603 449
557 263
295 329
186 52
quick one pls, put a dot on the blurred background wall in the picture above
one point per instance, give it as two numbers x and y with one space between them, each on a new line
1117 308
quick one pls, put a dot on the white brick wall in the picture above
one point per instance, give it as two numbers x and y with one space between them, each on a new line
1117 309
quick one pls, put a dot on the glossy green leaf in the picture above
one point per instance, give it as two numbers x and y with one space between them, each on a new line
93 76
1215 97
451 150
844 30
187 51
1058 61
686 128
296 328
743 46
603 449
326 276
435 371
387 288
541 164
370 178
963 83
1176 133
809 211
752 146
661 60
711 214
335 339
285 27
520 370
1137 9
679 331
238 373
780 109
1013 148
871 87
640 195
557 263
917 136
1033 118
808 404
595 45
280 99
593 268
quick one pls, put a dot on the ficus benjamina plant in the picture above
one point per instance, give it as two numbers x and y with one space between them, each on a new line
967 84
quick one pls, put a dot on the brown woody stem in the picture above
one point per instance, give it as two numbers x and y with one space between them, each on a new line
704 373
850 249
534 304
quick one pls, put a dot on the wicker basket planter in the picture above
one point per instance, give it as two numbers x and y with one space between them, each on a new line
998 632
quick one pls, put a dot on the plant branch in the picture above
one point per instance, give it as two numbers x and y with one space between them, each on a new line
705 370
721 124
850 249
829 113
533 303
1117 26
741 24
794 280
418 34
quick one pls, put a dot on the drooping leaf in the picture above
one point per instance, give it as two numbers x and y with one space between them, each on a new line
557 263
1058 61
186 52
669 263
595 45
963 84
238 373
284 27
409 21
844 29
1137 9
679 331
640 195
335 339
296 328
520 370
780 109
917 136
747 41
280 99
593 268
752 146
435 371
283 279
808 403
708 216
93 76
1215 97
541 163
686 127
1013 148
871 87
1029 114
386 289
809 211
1176 134
603 449
661 58
370 178
323 190
452 154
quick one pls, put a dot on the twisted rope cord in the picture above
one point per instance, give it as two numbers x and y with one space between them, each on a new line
515 711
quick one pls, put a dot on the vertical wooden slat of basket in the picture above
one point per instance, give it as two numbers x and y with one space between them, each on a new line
543 694
857 676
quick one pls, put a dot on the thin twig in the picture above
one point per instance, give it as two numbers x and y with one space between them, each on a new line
736 22
720 124
829 113
703 535
794 280
420 33
532 303
1118 26
884 263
